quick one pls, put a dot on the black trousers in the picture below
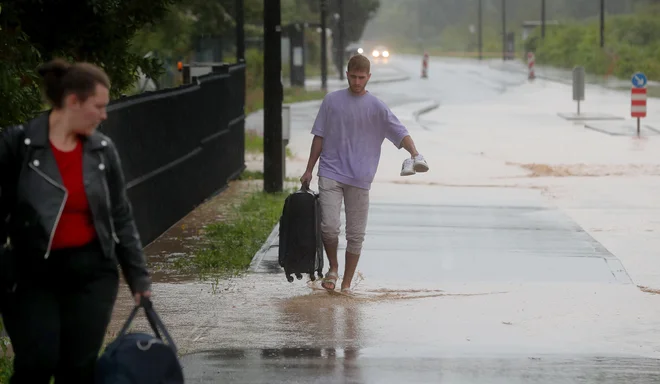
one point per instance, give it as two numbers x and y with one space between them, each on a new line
59 314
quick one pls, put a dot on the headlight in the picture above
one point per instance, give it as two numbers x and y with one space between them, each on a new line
360 50
375 53
386 54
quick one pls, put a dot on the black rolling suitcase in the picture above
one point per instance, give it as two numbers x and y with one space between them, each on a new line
301 246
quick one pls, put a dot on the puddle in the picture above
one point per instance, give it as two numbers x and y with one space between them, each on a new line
179 241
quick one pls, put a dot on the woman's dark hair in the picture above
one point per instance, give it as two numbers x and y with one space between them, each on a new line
62 79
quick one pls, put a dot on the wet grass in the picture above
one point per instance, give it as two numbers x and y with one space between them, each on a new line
254 144
251 175
233 243
6 360
254 98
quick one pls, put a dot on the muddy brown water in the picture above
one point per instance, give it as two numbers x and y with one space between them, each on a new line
181 240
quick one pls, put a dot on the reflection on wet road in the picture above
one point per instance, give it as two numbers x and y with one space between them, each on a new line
351 365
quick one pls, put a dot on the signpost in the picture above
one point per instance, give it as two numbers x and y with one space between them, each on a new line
638 98
578 86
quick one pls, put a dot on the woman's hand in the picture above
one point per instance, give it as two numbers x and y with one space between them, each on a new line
138 296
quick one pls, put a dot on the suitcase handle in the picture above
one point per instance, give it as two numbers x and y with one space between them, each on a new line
154 321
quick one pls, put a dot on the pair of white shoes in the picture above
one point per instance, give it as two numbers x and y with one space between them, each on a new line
413 165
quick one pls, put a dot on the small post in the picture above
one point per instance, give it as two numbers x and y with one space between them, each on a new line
530 65
638 126
578 86
425 63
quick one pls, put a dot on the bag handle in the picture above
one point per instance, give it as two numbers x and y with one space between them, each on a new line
154 322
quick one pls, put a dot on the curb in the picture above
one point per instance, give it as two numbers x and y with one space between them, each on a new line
391 80
272 240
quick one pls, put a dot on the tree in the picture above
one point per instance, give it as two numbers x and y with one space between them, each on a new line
98 31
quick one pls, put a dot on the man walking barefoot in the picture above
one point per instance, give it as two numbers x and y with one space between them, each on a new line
349 131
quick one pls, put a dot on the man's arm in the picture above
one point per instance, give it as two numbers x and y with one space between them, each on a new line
314 153
409 146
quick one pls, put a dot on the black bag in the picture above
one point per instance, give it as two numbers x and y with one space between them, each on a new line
301 245
139 357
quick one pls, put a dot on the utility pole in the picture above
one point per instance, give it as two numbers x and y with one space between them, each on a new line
481 28
273 144
341 39
543 19
602 23
240 31
503 30
324 46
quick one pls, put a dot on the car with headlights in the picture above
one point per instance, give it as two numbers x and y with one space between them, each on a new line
380 53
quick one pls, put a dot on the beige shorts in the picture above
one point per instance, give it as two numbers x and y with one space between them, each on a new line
356 201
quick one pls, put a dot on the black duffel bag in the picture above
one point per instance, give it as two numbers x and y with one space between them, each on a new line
142 358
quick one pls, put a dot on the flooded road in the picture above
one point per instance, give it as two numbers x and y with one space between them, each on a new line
470 273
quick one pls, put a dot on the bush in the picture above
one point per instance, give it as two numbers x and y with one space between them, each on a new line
632 44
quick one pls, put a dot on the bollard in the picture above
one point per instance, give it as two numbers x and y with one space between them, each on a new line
530 65
425 65
578 86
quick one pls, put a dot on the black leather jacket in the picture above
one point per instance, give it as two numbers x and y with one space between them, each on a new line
31 202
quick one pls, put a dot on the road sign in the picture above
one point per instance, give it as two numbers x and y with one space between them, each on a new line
639 80
638 98
638 102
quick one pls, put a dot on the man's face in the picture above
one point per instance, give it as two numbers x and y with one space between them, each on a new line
357 80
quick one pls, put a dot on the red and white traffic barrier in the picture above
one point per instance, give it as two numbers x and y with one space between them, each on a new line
638 105
425 66
530 65
638 102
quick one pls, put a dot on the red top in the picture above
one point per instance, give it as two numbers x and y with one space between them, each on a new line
76 227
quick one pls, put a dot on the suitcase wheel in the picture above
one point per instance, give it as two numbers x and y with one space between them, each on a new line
298 276
289 278
312 277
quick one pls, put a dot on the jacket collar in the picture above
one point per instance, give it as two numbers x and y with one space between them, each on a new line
37 135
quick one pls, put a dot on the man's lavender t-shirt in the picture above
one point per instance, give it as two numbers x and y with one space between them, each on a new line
353 129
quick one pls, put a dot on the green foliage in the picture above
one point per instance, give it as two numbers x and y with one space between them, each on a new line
19 94
632 44
6 362
98 31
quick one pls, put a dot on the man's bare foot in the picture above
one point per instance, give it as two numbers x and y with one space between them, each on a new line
330 280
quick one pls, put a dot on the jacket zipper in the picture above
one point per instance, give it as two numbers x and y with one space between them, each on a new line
107 200
59 213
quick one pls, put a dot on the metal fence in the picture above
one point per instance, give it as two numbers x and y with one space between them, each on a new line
179 146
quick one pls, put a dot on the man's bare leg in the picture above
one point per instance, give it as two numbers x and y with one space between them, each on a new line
351 265
331 252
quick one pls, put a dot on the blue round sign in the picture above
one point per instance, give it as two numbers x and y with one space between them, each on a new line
639 80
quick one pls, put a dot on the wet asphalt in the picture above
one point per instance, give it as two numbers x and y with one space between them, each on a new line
444 268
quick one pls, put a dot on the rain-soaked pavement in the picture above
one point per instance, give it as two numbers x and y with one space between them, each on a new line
471 273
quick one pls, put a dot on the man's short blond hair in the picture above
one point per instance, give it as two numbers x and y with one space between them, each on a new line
359 63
